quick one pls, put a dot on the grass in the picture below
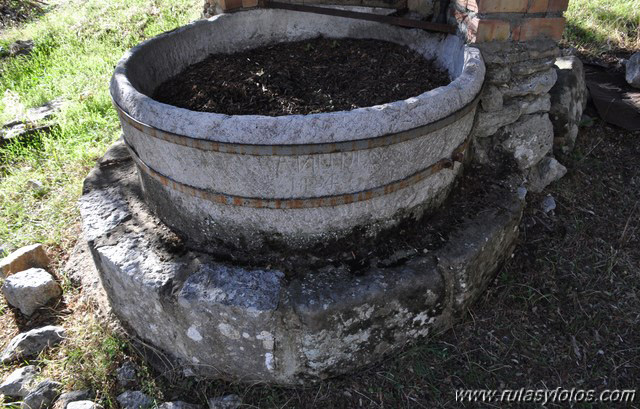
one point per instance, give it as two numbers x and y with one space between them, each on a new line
562 312
77 44
600 26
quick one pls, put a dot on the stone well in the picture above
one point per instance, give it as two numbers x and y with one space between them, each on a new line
176 211
297 179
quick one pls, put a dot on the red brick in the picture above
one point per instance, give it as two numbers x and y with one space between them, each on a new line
538 6
498 6
532 28
558 5
482 31
230 4
249 3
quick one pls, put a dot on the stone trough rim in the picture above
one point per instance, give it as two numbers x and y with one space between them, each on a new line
300 130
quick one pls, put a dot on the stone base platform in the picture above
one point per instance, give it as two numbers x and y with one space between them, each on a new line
273 324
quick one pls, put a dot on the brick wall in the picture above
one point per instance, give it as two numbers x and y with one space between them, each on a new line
518 20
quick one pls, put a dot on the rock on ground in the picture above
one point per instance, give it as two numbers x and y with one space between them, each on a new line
126 375
30 289
179 405
32 256
19 382
548 204
21 47
83 404
568 100
633 70
68 397
30 344
225 402
42 396
134 400
544 173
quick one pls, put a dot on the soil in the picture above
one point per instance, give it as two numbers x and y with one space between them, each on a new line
17 11
306 77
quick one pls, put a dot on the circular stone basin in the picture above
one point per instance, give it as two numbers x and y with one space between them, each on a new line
296 179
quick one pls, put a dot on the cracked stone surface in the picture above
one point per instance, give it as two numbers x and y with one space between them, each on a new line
221 320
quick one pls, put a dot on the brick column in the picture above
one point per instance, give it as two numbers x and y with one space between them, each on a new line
518 40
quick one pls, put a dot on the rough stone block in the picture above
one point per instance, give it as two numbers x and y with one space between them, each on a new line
537 84
547 171
30 289
23 259
568 100
491 99
632 74
529 140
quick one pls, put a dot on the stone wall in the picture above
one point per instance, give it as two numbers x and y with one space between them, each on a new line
518 40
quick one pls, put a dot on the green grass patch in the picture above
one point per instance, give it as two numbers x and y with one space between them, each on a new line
77 44
597 26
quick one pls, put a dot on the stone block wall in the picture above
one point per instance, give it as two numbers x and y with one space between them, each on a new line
518 40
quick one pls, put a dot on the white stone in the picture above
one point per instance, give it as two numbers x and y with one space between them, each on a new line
30 289
83 404
632 74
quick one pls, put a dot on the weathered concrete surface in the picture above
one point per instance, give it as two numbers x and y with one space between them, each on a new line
256 324
340 171
568 100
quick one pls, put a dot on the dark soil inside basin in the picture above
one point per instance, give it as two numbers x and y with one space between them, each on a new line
319 75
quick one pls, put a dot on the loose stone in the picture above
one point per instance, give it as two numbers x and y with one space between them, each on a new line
30 289
24 258
30 344
83 404
42 396
134 400
19 382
